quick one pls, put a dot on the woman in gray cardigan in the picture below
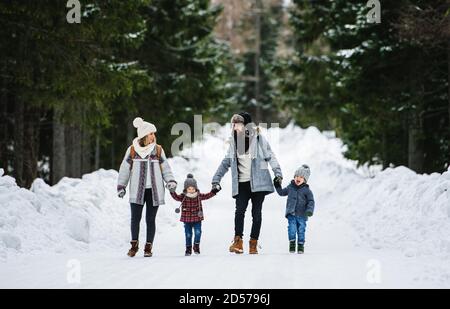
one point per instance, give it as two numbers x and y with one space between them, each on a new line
144 168
248 157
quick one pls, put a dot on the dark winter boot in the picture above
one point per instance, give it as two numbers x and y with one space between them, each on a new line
300 249
134 248
188 251
292 246
253 246
197 248
148 250
237 246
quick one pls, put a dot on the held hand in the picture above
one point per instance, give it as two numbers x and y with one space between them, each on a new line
277 181
216 187
171 186
121 193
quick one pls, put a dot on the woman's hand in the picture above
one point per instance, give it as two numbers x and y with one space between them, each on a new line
171 186
121 193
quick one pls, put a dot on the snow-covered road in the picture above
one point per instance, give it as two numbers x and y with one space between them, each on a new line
331 261
391 231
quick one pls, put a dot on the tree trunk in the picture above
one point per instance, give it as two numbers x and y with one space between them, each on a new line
73 162
18 141
97 151
77 151
69 150
130 131
86 151
31 146
384 151
258 111
4 120
73 151
415 143
448 79
59 150
113 148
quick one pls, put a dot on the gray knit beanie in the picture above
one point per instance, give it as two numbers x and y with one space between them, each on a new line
190 182
303 171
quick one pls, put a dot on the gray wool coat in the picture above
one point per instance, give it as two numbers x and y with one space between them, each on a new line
136 176
262 156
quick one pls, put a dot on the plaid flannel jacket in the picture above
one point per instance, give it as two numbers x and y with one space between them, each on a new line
191 208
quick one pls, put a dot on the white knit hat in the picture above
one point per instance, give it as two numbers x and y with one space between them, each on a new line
143 128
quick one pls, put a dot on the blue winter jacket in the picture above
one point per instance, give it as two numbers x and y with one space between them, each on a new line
300 199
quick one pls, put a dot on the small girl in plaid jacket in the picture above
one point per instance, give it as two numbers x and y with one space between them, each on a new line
192 212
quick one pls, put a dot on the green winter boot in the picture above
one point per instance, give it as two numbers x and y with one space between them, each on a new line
300 249
292 246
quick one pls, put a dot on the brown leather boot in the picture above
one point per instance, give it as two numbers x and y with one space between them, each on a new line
238 245
253 246
134 248
148 250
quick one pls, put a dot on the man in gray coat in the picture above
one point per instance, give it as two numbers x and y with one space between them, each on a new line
248 157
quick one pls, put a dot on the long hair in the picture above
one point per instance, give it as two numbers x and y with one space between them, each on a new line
142 141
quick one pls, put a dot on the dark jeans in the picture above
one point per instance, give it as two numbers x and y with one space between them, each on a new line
188 226
245 194
150 216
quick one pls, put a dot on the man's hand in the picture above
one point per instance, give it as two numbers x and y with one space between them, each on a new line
171 186
216 187
121 193
277 181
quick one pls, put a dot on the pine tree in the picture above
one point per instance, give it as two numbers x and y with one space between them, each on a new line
364 77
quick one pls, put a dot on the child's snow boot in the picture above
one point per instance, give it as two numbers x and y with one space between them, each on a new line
237 246
253 246
292 246
188 251
134 248
197 248
148 250
300 249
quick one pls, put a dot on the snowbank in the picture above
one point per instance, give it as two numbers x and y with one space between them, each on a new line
70 215
396 209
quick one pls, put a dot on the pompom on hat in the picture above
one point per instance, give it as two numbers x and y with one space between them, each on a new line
143 127
190 182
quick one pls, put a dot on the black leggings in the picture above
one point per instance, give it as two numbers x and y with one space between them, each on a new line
150 216
245 194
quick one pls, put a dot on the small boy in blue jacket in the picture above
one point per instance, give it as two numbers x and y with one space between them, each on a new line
299 206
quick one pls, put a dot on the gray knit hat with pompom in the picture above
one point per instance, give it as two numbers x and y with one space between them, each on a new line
190 182
303 171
